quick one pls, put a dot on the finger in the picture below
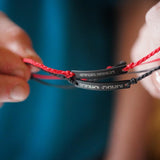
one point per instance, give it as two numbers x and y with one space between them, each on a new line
13 89
16 39
11 64
153 20
30 53
141 48
10 32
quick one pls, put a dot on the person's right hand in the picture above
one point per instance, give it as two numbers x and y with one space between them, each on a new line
147 41
15 44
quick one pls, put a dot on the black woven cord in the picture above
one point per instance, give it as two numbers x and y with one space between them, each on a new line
54 85
135 80
148 73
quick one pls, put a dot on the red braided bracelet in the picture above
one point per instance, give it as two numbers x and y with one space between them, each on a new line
67 74
95 79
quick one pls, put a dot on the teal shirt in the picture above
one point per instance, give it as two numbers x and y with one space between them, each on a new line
53 123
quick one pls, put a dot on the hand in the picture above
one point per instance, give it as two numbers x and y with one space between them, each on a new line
14 74
147 41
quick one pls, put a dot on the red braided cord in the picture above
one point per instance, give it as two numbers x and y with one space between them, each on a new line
39 76
155 60
132 65
67 74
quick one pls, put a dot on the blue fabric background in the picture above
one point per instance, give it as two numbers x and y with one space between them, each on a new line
55 123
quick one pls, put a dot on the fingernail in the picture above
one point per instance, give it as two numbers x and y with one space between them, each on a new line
32 54
18 93
156 79
34 69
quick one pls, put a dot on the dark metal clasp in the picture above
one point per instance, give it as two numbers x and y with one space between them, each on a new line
102 73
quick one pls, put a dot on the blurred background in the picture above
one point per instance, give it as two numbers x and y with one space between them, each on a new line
154 133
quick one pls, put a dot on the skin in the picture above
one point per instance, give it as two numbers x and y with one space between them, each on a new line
15 44
147 41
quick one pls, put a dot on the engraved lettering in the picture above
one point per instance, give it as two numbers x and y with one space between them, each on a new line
106 73
97 74
110 87
87 74
88 86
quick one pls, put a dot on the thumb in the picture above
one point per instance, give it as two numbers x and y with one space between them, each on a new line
16 40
